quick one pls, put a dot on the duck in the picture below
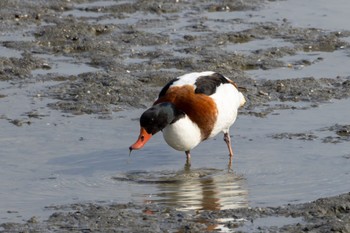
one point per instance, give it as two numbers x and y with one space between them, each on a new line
190 109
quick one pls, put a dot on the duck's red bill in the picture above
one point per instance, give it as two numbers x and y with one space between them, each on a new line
142 140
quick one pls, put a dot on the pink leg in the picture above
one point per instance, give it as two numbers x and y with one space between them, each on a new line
227 139
188 157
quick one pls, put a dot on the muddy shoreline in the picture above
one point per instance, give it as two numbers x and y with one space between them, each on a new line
323 215
127 51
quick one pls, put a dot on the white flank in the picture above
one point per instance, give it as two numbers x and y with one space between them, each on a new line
183 135
228 99
242 100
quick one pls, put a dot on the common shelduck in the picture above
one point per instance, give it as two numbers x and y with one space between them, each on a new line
190 109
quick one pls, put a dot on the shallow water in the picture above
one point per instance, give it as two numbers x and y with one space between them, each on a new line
94 165
62 159
312 13
62 65
200 189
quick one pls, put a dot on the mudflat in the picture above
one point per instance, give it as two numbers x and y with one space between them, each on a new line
71 71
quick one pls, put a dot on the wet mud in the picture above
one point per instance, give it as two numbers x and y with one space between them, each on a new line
339 133
323 215
131 49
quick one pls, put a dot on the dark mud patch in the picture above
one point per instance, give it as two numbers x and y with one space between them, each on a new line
106 92
306 90
19 68
97 92
340 133
298 136
322 215
307 39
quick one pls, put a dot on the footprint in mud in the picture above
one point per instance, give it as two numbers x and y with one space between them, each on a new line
200 189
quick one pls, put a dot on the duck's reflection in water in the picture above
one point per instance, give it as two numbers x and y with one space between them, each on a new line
201 189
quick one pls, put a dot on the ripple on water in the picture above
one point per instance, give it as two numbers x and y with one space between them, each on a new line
201 189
